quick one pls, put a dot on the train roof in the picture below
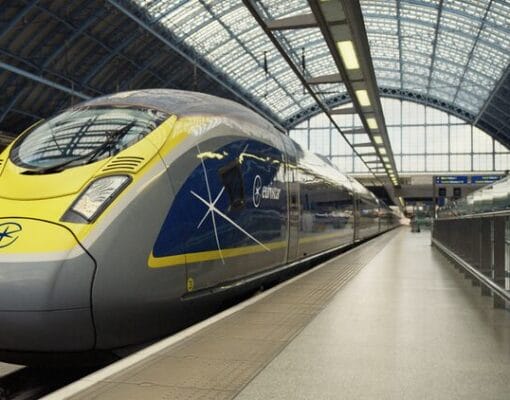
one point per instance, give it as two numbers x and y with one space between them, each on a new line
181 103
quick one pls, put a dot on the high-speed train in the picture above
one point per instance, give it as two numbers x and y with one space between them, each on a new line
121 214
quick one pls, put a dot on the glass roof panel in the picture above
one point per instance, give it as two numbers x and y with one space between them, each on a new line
457 58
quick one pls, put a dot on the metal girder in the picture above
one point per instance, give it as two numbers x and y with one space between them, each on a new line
369 144
471 52
355 131
343 111
434 44
324 79
387 92
24 11
426 23
44 81
93 18
320 104
193 60
243 46
295 22
112 53
12 103
334 35
399 35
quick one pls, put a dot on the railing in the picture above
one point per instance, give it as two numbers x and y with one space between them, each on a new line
480 244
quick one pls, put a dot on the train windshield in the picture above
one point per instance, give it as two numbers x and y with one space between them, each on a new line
83 135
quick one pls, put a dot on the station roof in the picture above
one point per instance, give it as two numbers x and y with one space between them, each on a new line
450 54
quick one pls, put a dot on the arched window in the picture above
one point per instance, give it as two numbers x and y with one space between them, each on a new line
423 139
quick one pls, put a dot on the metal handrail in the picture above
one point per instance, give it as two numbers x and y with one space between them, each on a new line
502 213
489 283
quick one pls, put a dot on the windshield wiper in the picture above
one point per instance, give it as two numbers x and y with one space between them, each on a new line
113 137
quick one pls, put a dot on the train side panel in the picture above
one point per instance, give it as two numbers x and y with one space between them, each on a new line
229 216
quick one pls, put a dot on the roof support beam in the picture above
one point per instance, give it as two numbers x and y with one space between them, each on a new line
319 80
471 52
294 22
351 54
25 10
193 61
44 81
434 45
343 111
92 19
355 131
253 8
12 103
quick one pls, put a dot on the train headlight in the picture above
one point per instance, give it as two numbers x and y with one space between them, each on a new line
95 198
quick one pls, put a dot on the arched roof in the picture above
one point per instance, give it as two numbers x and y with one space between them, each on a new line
454 53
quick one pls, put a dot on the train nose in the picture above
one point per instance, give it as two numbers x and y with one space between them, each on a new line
45 288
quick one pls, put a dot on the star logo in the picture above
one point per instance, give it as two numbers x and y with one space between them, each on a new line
8 233
257 187
215 214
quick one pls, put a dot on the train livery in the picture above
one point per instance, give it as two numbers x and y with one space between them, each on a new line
119 213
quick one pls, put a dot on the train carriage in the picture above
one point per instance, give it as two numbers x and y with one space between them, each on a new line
119 212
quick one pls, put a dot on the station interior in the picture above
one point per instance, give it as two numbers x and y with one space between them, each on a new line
400 289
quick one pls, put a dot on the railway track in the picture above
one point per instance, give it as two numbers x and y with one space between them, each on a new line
27 383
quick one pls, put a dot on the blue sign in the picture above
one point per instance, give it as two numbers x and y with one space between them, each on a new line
459 179
481 179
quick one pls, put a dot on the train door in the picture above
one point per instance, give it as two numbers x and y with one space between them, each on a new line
293 200
294 216
357 217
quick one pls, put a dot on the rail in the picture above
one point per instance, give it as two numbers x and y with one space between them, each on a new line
481 246
495 288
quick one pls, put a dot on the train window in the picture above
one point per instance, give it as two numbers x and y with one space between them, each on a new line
83 135
232 179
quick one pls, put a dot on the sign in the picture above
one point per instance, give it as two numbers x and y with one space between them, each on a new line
483 179
459 179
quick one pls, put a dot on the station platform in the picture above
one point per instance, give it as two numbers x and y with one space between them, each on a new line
390 319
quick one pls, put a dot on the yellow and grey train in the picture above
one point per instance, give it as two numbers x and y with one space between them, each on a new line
121 214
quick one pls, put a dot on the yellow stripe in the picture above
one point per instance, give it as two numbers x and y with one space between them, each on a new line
321 237
161 262
213 255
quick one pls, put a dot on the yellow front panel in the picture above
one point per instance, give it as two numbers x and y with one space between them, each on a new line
25 236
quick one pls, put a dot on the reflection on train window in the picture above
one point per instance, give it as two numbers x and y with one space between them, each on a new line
83 135
232 179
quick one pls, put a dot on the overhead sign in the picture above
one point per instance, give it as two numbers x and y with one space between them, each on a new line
464 179
458 179
482 179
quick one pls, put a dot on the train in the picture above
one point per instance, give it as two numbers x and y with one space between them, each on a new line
123 214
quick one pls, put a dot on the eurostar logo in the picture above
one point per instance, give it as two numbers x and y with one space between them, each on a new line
9 233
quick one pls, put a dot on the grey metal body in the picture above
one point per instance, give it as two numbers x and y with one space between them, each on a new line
108 298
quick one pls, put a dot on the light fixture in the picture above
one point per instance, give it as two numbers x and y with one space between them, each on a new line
378 139
362 96
382 150
372 123
348 54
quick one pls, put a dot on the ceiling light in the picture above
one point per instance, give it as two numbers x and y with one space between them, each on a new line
382 150
362 96
348 54
372 123
378 139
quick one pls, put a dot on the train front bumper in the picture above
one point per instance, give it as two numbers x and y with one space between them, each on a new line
45 288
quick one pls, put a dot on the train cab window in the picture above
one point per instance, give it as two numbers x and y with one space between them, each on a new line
83 135
232 179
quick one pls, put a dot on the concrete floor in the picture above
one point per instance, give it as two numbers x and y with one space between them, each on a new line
409 326
391 319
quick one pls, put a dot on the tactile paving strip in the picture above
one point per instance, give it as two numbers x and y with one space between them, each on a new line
220 360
